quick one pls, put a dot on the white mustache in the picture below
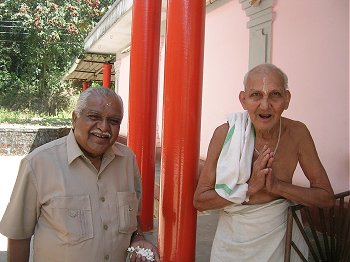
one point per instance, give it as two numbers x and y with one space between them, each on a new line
98 132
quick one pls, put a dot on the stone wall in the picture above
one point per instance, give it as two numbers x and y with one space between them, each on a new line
20 140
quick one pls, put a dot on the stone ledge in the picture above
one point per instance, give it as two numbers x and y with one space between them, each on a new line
21 139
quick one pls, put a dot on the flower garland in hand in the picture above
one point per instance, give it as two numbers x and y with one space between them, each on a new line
145 252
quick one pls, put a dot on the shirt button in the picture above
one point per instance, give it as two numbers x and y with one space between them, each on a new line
106 257
73 213
103 199
105 227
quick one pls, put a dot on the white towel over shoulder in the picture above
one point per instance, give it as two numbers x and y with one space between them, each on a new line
235 160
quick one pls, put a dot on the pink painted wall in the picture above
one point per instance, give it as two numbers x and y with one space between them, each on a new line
313 49
225 63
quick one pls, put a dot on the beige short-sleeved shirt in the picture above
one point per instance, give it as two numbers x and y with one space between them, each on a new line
75 212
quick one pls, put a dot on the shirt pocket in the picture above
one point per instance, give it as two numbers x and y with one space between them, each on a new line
127 211
72 218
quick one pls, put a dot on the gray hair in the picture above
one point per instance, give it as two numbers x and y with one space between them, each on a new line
98 91
266 68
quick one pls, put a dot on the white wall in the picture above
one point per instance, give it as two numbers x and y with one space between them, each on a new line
123 91
160 92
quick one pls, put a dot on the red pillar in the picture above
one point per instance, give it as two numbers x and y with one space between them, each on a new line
144 62
107 68
181 129
85 85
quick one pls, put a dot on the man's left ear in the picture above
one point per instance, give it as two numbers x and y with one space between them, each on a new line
288 97
74 118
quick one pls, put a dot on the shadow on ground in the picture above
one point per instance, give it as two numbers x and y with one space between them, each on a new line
3 256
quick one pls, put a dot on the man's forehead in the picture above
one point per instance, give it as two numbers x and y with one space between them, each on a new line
266 74
104 112
100 100
101 104
263 80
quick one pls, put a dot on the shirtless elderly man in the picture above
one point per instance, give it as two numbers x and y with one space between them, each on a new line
249 169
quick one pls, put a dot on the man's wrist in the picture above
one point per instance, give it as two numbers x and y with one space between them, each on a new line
137 235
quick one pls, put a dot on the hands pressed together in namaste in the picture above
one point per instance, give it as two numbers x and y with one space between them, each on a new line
262 174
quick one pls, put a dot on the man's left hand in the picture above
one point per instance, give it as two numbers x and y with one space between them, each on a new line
143 243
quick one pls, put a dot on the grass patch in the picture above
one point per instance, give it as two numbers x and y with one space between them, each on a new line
30 118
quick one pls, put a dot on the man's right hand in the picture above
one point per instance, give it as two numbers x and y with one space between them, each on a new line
261 168
18 250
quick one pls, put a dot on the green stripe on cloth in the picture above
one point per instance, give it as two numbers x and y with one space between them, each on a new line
223 187
229 134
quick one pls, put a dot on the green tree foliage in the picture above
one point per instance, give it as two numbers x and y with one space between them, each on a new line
38 41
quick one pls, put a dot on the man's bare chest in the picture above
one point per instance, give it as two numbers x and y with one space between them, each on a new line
283 166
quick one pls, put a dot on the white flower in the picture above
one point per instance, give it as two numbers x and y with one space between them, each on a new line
145 252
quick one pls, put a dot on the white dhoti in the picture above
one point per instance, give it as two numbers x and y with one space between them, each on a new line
254 233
